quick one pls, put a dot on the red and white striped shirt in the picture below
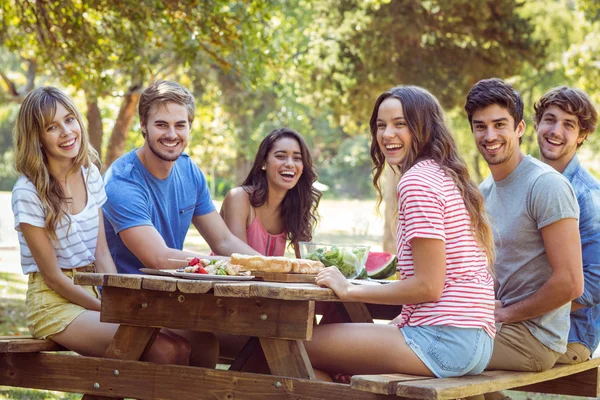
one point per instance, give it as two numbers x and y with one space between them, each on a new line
431 206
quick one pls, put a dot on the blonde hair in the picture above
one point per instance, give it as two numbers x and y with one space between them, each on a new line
35 115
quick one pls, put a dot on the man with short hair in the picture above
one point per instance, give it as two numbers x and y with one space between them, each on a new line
564 117
156 191
534 213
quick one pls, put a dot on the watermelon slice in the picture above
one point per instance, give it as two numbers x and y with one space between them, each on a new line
381 265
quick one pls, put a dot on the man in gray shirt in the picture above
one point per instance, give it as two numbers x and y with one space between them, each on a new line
534 213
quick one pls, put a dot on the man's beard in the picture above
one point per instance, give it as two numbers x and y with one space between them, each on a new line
161 155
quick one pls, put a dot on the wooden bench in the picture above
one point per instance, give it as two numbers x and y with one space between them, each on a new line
26 344
574 380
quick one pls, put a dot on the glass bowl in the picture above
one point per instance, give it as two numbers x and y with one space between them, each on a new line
350 259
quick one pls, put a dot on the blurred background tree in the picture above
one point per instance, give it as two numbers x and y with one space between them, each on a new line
315 66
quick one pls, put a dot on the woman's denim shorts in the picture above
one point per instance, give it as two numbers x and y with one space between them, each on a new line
448 350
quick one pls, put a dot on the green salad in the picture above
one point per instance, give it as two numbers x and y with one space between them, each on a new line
348 261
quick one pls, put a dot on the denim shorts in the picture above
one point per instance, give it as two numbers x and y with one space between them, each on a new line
450 351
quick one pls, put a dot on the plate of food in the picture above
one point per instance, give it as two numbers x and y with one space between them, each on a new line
244 267
203 269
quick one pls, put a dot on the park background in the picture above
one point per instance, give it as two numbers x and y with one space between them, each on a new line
256 65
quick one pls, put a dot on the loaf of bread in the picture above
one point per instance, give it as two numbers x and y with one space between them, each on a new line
306 266
262 263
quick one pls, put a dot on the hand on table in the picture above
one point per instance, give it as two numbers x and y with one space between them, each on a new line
332 278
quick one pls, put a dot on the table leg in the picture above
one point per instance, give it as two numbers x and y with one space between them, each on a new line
129 343
344 312
287 358
358 312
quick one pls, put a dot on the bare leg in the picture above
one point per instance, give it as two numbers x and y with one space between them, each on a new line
204 347
363 349
88 336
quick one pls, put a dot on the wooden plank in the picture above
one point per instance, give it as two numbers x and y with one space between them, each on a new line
141 380
205 312
232 289
279 277
292 291
89 279
488 381
130 342
358 312
159 283
123 281
17 344
189 286
382 384
287 358
584 383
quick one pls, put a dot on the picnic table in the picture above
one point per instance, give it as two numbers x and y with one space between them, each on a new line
280 316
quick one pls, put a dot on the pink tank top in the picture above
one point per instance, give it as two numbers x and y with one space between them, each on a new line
262 241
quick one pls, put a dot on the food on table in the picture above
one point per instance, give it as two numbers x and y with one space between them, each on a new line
275 264
381 265
211 267
262 263
300 266
349 260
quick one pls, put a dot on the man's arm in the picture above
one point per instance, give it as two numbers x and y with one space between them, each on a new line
220 239
146 243
563 249
589 228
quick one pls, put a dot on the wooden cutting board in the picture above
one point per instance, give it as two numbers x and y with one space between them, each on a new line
282 277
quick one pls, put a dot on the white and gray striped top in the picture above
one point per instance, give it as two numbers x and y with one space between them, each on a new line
72 251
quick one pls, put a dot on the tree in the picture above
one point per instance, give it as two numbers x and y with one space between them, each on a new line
102 47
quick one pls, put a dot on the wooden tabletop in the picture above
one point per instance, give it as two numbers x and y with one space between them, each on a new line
220 288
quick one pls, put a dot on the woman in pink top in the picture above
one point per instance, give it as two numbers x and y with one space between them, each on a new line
277 201
444 246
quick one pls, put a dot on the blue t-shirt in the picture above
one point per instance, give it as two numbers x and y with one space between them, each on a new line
585 322
137 198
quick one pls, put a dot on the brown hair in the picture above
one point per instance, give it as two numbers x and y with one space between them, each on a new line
35 115
572 101
163 92
431 139
299 206
487 92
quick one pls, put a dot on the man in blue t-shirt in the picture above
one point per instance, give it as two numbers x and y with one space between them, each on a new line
564 117
155 192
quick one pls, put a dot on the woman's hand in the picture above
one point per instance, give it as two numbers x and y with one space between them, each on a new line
332 278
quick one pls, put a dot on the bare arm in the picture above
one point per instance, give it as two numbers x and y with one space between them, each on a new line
220 239
104 261
563 249
426 285
146 243
45 258
235 211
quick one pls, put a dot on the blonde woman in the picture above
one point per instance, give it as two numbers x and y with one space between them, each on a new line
57 204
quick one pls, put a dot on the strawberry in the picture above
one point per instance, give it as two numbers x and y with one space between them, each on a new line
201 270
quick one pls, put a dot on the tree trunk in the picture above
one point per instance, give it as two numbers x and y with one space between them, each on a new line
116 144
94 119
390 200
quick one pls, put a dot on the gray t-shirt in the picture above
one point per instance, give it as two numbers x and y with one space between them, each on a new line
533 196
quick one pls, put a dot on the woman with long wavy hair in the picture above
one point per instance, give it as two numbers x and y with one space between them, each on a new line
57 202
445 248
277 201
